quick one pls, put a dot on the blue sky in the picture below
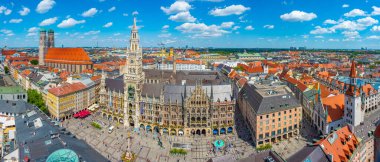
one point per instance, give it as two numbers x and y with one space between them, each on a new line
197 23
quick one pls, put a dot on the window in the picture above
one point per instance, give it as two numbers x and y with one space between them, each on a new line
290 127
260 136
267 116
273 120
279 124
295 126
285 130
273 115
279 119
266 134
279 131
261 123
290 111
267 128
261 117
273 133
290 116
279 113
267 122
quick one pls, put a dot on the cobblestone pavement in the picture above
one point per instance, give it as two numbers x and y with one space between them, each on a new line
145 145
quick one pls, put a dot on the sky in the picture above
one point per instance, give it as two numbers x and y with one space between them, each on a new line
343 24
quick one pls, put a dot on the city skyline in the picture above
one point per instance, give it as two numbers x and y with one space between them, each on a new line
196 23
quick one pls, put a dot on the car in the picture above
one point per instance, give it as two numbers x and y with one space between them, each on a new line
269 159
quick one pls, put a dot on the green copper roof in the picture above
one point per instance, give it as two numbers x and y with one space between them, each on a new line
11 90
65 155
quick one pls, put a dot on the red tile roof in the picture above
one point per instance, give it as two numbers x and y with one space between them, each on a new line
339 144
353 70
8 52
67 56
334 106
67 89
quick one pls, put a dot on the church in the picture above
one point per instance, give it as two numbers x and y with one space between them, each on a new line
180 103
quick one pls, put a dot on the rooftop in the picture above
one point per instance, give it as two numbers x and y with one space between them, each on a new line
67 89
67 56
11 90
37 137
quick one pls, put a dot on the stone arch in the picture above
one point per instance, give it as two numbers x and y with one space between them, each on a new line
121 120
198 132
215 131
173 132
156 129
203 132
165 131
223 131
230 130
148 128
142 126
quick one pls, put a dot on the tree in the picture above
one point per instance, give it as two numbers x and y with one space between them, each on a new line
6 69
34 62
35 98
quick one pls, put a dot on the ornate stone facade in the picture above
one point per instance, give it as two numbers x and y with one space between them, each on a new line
167 102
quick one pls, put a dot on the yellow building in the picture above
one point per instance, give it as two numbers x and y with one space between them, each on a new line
64 101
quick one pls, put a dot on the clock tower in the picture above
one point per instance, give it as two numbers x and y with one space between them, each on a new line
133 80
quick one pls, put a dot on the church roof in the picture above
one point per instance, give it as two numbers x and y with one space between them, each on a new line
67 56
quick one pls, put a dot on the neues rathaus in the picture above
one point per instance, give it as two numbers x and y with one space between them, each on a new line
183 103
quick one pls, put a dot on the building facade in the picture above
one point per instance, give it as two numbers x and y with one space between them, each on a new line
270 111
66 100
167 102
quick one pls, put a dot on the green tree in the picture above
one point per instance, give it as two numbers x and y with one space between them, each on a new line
35 98
6 69
34 62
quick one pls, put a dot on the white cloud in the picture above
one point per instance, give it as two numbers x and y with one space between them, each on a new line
89 13
320 30
45 5
345 5
249 27
227 24
134 13
165 27
348 25
70 22
375 28
235 27
229 10
93 32
376 10
116 34
32 31
5 11
201 30
125 14
373 37
367 21
182 17
329 21
7 32
108 25
268 26
354 13
15 21
48 21
298 16
176 7
25 11
333 40
112 9
351 34
319 36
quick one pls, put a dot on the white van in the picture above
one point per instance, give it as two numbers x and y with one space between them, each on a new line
110 129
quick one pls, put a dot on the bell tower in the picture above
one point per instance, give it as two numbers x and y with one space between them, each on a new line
42 47
353 107
133 80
